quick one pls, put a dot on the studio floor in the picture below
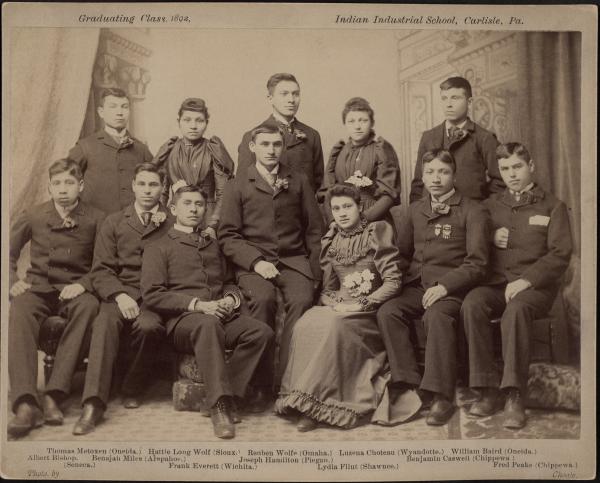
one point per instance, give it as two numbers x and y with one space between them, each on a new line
156 420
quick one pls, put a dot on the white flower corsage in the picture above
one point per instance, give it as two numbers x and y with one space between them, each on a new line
359 180
158 218
69 222
300 135
281 184
359 283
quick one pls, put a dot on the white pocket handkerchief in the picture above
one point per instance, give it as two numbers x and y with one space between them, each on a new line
539 220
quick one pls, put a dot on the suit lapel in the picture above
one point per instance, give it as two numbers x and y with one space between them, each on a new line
152 227
54 219
185 239
468 129
259 181
106 139
284 173
133 220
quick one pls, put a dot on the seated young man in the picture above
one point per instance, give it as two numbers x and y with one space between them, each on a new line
183 277
116 275
62 232
530 253
445 243
271 230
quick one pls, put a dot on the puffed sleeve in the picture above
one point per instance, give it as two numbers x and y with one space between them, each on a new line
223 171
331 282
329 179
387 262
160 160
388 171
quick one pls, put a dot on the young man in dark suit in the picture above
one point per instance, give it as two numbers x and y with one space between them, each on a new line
530 253
303 151
271 230
183 279
62 232
472 146
445 248
116 277
109 156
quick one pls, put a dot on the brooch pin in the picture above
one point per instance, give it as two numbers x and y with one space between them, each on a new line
437 229
446 231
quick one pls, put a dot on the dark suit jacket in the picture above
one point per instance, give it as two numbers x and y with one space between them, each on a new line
176 270
108 170
475 154
119 249
59 256
451 250
281 227
539 240
303 155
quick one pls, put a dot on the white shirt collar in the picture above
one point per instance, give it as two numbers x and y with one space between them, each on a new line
184 229
527 188
445 197
282 119
460 126
139 210
114 133
265 174
65 211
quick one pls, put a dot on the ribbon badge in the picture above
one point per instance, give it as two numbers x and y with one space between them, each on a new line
446 231
437 229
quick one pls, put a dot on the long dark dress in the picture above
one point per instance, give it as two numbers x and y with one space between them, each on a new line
376 160
206 164
337 371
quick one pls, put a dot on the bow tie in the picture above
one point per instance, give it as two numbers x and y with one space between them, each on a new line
522 197
440 208
125 141
454 133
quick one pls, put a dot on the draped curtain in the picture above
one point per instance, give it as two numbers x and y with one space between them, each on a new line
50 72
552 131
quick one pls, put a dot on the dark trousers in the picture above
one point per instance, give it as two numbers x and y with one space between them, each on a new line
261 298
207 338
107 328
395 319
26 313
482 305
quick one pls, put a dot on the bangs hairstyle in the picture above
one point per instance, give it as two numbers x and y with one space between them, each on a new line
112 91
194 104
343 189
66 166
358 104
506 150
266 129
277 78
187 189
151 168
457 83
441 154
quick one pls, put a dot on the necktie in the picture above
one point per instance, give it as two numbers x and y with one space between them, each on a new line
440 208
271 179
146 215
453 132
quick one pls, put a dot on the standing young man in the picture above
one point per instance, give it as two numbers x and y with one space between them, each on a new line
472 146
109 157
531 251
116 276
271 231
303 151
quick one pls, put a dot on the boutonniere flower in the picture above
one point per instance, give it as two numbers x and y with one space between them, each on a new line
359 180
300 135
158 218
69 222
359 283
281 184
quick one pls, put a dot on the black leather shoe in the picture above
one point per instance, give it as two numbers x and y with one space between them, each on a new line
487 404
306 424
27 417
220 415
259 402
52 413
441 411
131 402
90 417
514 410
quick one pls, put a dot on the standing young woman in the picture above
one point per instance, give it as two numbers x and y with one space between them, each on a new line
194 160
366 161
